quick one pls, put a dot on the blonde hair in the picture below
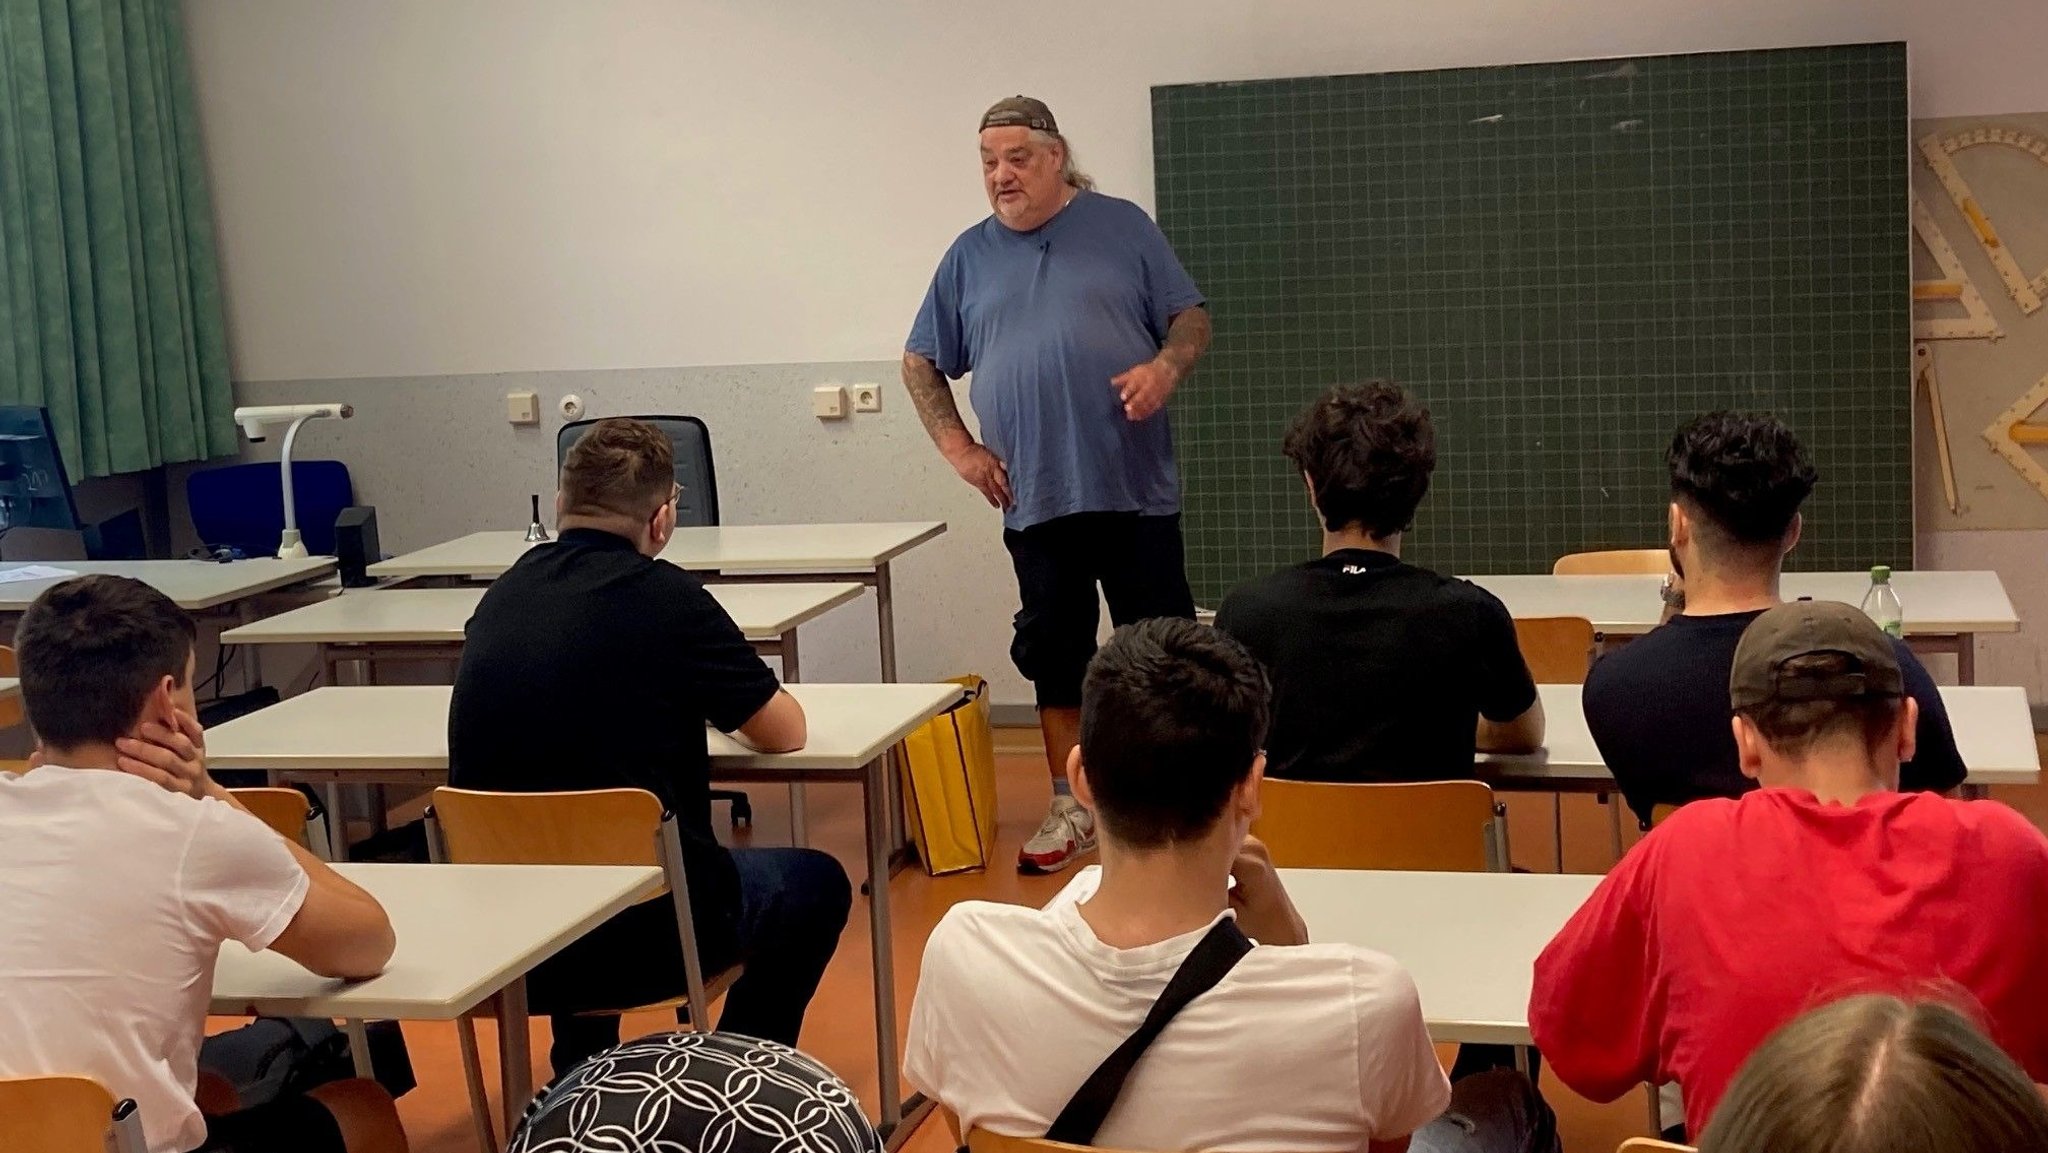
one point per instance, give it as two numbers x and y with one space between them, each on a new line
1070 170
1876 1074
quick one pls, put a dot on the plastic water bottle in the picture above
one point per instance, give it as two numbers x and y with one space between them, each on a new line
1881 603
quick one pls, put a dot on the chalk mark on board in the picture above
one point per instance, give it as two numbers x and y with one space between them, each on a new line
1496 118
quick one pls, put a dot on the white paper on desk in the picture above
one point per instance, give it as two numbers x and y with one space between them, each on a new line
33 572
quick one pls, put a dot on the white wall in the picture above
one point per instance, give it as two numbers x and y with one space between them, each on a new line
416 187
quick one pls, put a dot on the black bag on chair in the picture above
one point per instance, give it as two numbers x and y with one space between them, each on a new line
274 1057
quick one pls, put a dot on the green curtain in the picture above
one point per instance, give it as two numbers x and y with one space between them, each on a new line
110 309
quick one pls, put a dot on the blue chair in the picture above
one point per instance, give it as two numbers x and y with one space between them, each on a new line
241 506
698 506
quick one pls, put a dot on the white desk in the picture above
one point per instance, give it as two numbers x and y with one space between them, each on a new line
754 552
195 586
427 624
1944 610
10 687
466 934
1993 725
398 734
1470 940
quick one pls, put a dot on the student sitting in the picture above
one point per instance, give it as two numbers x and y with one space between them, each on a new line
591 665
1658 706
1733 915
1382 671
1874 1074
123 868
1298 1047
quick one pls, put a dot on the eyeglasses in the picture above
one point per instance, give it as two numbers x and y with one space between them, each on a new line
675 493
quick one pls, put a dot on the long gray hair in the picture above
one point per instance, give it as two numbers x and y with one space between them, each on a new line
1070 170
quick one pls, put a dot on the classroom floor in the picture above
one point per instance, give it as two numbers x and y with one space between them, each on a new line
839 1029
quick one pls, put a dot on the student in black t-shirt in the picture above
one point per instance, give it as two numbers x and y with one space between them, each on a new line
1658 705
591 665
1381 671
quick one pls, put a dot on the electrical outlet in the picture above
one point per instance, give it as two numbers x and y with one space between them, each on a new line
828 402
867 398
522 407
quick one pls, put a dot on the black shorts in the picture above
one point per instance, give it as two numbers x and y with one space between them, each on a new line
1138 563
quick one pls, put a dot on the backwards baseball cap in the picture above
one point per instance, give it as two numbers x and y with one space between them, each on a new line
1805 628
1020 111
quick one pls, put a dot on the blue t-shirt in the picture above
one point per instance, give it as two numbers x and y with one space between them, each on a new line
1044 319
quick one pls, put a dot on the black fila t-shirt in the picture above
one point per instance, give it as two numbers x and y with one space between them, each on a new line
1381 670
589 666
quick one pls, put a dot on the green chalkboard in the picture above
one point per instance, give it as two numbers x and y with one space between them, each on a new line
1565 261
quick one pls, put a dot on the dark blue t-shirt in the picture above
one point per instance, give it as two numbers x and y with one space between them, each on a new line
1044 319
1658 710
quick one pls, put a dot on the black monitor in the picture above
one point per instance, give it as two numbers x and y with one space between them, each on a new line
34 492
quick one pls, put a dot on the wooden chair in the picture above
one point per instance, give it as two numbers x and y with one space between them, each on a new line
287 811
12 712
1613 561
1559 650
1436 826
599 827
67 1115
983 1141
1651 1145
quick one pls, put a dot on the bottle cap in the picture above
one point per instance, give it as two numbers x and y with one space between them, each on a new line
1880 574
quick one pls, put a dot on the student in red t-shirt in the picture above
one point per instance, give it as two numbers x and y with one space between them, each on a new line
1734 916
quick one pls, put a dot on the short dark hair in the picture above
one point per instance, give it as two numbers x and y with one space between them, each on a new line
1792 727
91 650
1744 472
618 467
1368 450
1172 716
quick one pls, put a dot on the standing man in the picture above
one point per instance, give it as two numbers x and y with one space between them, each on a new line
1078 322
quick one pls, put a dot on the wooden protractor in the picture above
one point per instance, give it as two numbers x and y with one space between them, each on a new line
1953 286
2026 292
1923 374
2012 434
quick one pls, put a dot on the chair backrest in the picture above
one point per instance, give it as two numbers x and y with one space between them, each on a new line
1559 650
1439 826
282 809
698 506
599 827
242 505
1652 1145
66 1115
1659 812
1612 561
983 1141
12 711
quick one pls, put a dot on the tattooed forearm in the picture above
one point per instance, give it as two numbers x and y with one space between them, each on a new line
933 395
1187 337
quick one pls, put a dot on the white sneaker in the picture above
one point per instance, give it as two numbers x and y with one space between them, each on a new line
1067 833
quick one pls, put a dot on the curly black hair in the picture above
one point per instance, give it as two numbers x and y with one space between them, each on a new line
1368 449
1745 472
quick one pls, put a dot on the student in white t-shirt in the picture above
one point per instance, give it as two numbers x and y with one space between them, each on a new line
1301 1048
123 868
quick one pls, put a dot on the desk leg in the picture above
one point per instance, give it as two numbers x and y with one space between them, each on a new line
359 1049
885 622
799 827
515 1053
875 796
252 662
337 825
1966 658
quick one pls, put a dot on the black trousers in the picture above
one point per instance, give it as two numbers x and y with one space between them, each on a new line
1137 561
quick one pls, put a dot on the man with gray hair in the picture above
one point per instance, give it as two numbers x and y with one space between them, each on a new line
1078 322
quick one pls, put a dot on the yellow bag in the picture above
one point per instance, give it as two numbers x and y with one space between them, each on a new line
949 785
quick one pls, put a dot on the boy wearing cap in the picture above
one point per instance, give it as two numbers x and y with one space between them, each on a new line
1078 322
1733 916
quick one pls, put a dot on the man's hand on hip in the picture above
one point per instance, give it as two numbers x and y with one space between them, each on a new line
982 469
1144 390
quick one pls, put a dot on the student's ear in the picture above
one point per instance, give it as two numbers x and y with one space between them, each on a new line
1681 527
1247 799
1907 738
1749 747
1792 534
161 705
1077 776
1310 485
558 506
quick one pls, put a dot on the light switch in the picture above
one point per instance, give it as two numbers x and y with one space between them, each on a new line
828 402
522 407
